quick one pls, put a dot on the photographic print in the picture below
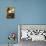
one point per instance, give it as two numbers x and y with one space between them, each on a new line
10 12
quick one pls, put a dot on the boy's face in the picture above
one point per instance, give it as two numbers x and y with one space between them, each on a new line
12 10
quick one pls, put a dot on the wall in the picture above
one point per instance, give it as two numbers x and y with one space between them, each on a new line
27 12
31 11
6 25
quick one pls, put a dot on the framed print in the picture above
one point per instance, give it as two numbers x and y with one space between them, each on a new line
10 12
